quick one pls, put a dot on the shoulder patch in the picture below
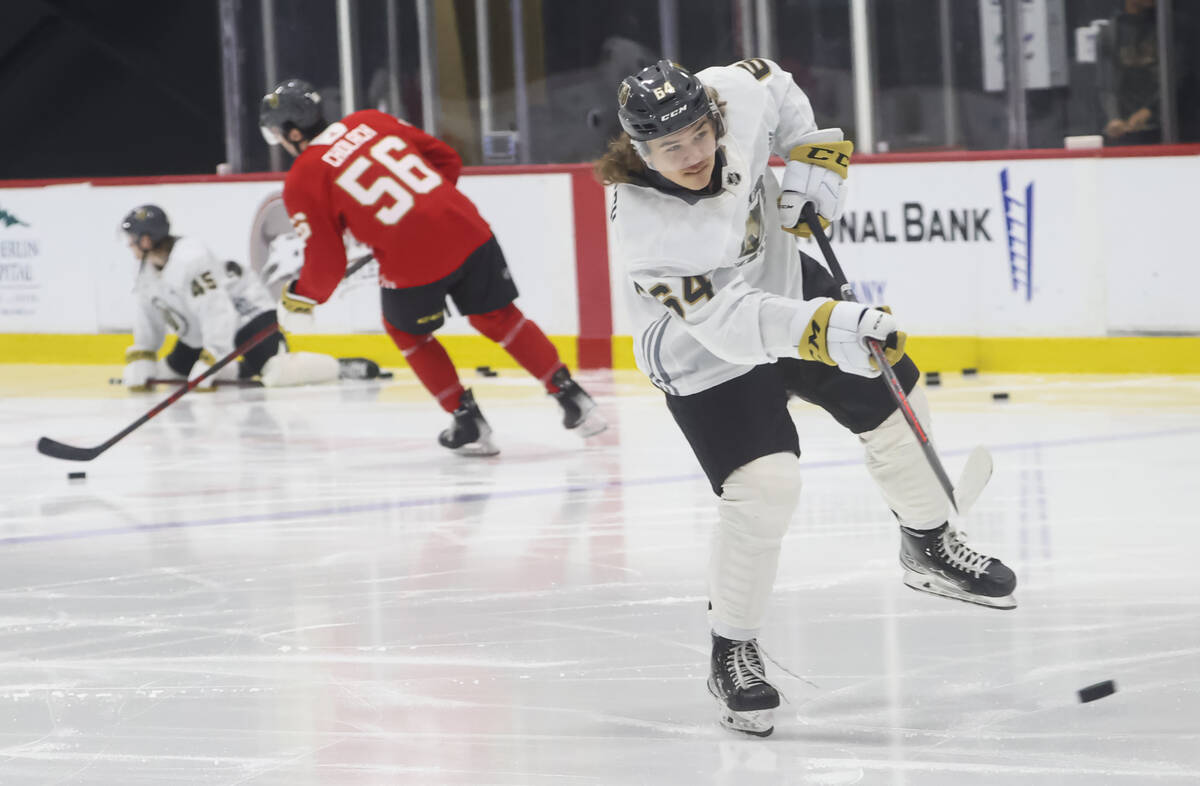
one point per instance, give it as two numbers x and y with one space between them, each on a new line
756 67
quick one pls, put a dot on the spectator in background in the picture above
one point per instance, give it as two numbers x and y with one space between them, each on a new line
1129 79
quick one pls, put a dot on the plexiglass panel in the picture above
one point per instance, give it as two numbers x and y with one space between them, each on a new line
938 79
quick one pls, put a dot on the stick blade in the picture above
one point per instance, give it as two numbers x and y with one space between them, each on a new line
975 476
55 449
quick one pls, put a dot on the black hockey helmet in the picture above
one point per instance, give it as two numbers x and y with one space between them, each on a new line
147 220
293 103
662 99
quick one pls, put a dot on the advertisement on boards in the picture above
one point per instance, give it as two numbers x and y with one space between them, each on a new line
45 281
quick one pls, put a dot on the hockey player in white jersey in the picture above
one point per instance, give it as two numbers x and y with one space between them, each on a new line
211 306
731 319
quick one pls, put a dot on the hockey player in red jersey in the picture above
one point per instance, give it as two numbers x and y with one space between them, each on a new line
393 187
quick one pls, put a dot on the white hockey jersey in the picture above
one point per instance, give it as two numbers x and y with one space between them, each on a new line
713 284
203 301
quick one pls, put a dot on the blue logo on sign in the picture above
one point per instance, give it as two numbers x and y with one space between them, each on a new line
1018 228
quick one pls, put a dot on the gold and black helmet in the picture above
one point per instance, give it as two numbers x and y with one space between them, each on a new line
662 99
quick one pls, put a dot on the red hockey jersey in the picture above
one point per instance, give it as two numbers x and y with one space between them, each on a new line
392 186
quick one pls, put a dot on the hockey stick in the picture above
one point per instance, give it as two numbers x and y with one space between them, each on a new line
885 368
54 449
220 383
975 475
357 265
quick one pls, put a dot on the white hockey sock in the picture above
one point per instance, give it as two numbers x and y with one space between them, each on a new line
900 469
754 513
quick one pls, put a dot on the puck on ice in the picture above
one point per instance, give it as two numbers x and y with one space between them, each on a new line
933 378
970 372
76 475
486 371
1097 691
999 397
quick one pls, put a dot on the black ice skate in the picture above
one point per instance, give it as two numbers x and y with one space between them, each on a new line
469 434
939 561
357 368
737 681
579 410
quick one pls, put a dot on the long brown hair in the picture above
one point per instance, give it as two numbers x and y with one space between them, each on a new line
621 162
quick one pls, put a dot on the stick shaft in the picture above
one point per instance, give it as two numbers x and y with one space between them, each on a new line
221 383
55 449
885 368
60 450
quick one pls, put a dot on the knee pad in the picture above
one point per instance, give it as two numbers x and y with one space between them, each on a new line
500 325
758 498
298 368
756 507
896 462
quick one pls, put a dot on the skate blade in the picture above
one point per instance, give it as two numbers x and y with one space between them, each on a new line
481 447
924 582
591 425
759 723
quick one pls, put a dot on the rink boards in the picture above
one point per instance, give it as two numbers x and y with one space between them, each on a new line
1053 261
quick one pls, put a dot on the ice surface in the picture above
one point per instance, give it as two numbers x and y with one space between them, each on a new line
301 587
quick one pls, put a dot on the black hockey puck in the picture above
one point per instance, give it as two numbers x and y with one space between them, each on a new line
76 475
933 378
486 371
1097 691
386 375
999 397
970 372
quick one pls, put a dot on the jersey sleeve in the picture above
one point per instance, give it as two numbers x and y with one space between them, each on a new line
726 315
149 327
316 224
440 155
789 109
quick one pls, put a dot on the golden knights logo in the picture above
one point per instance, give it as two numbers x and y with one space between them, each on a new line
177 321
622 94
752 239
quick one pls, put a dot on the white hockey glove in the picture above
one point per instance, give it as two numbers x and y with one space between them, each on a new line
204 363
295 312
837 334
285 257
140 365
816 172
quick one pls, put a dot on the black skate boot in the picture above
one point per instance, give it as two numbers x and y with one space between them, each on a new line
579 410
737 681
357 368
469 434
939 561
